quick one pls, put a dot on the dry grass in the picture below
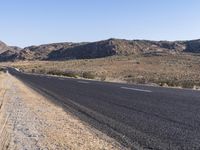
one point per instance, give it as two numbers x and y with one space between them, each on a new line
165 70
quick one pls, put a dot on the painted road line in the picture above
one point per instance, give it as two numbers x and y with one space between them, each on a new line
134 89
17 69
84 82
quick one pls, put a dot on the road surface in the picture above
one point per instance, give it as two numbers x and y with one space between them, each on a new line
140 117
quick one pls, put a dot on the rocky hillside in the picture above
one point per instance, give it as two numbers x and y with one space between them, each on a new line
41 52
65 51
8 53
124 47
3 47
193 46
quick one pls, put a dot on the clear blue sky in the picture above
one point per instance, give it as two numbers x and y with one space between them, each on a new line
33 22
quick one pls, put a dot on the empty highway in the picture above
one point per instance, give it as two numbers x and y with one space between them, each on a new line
139 117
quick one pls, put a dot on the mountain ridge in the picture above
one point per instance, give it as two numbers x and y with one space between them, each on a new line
99 49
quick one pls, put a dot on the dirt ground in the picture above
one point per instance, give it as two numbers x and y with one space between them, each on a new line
33 122
180 70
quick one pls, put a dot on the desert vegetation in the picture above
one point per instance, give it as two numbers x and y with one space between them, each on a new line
180 70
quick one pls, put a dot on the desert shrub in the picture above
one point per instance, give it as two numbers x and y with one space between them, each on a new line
103 77
167 82
55 72
141 80
129 76
41 71
1 69
33 70
187 84
163 81
88 75
178 83
70 74
136 80
63 73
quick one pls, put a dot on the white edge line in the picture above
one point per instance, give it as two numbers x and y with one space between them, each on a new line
83 82
17 69
134 89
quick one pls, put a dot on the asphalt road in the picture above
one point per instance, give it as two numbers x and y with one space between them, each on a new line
140 117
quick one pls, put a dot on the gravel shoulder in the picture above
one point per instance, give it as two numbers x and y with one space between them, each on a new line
34 122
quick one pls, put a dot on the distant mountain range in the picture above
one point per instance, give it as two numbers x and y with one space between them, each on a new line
90 50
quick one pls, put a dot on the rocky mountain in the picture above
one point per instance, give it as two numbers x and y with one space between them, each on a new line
3 47
110 47
9 55
8 52
193 46
118 47
41 52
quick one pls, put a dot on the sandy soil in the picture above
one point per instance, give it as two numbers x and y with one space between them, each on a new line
36 123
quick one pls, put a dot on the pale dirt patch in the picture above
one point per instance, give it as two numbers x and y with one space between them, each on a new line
37 123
